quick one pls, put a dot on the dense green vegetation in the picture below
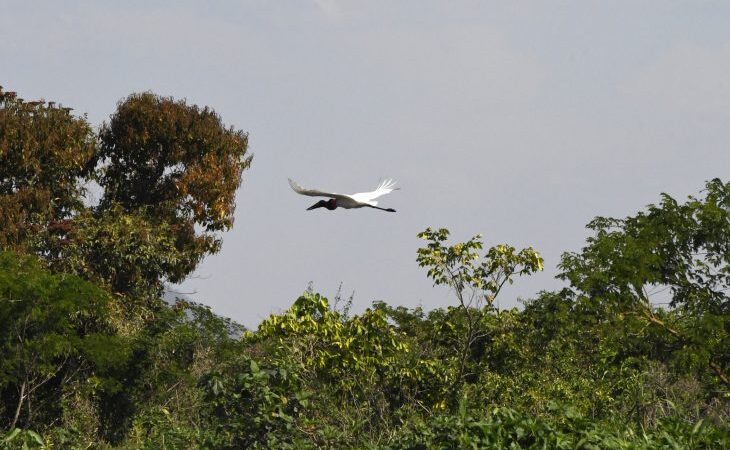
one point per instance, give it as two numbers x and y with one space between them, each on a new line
634 353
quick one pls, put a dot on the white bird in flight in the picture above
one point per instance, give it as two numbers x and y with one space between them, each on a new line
361 200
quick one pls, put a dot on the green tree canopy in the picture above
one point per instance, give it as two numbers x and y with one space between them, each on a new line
678 252
55 330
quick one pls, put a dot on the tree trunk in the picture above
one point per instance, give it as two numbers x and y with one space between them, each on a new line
20 405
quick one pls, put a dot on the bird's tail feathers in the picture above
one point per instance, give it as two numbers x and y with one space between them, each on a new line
388 183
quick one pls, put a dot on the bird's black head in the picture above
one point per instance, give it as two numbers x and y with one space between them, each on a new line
329 204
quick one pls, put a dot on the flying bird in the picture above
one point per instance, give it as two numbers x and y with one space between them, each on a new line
361 200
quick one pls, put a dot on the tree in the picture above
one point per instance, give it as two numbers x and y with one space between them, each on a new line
169 173
176 163
54 331
129 253
475 281
45 155
681 251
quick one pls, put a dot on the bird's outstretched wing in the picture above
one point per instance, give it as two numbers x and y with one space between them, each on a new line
385 187
313 192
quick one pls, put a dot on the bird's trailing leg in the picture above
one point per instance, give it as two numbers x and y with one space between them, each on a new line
382 209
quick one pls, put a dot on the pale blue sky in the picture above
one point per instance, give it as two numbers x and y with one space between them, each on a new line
517 120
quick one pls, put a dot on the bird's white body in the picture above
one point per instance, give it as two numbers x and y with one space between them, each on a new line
359 200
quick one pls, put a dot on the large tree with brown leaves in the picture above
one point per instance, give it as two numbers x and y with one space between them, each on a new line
45 154
168 173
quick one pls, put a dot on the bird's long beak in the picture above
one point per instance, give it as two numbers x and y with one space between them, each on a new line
315 206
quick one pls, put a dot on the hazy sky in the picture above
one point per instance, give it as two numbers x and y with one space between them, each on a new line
517 120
